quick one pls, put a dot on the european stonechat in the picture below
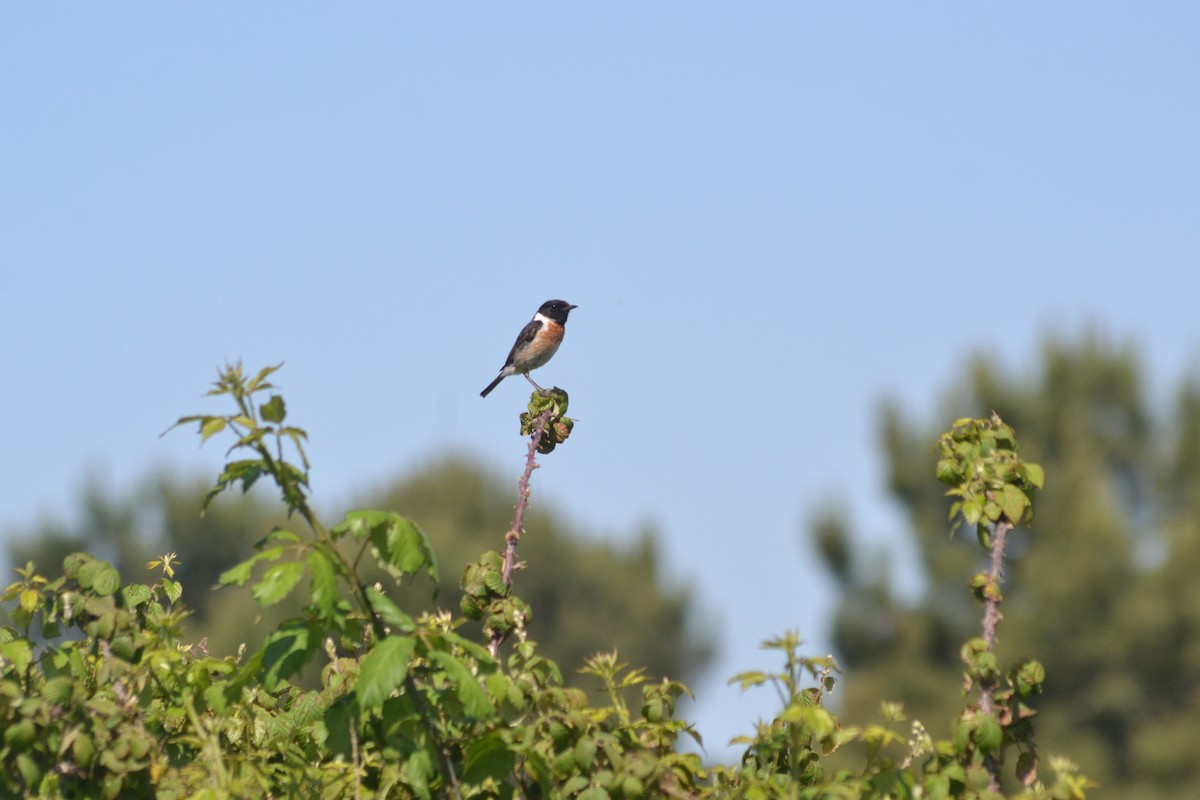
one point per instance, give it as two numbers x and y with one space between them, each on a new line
536 343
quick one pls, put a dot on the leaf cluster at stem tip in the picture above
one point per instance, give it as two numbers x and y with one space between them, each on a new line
259 428
552 402
978 459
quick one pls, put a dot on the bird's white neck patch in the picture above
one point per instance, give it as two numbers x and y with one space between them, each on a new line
542 318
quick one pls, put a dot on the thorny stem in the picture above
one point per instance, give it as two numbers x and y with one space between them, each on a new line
991 602
991 619
513 537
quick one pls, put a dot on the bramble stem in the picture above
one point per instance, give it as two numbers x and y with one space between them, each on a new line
991 619
513 537
991 602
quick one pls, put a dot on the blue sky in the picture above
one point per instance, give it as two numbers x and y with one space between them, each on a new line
770 215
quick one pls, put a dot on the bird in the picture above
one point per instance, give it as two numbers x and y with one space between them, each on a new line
536 344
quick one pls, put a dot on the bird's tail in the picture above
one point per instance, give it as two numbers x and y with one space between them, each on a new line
493 384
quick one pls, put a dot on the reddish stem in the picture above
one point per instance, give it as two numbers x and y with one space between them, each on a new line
991 619
513 537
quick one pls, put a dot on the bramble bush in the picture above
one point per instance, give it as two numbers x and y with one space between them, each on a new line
102 697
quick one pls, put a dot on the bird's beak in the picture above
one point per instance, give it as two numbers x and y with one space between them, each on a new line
570 307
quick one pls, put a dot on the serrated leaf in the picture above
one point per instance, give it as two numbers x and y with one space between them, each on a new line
277 582
947 471
389 612
256 382
273 410
58 690
1014 502
1034 474
972 510
383 670
30 598
240 573
248 472
494 582
211 427
286 651
470 693
173 590
18 652
403 547
278 535
745 680
417 771
489 757
136 594
358 523
237 574
474 649
324 582
399 544
99 576
988 733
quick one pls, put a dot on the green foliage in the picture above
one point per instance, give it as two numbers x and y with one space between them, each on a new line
1100 587
587 594
553 403
409 705
978 459
630 604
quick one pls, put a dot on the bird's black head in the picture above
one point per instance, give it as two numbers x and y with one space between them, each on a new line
556 310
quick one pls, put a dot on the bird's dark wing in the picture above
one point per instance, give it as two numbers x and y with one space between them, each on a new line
527 335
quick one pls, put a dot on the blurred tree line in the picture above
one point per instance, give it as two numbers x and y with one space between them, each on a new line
588 595
1109 599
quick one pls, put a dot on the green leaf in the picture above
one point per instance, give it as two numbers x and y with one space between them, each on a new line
273 410
358 523
240 573
402 548
745 680
18 652
383 670
972 509
476 650
210 427
136 594
278 535
30 598
324 582
1034 474
389 612
285 652
417 771
470 693
173 590
988 734
278 582
489 756
1014 502
399 544
338 720
1029 678
99 576
256 382
948 471
247 472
